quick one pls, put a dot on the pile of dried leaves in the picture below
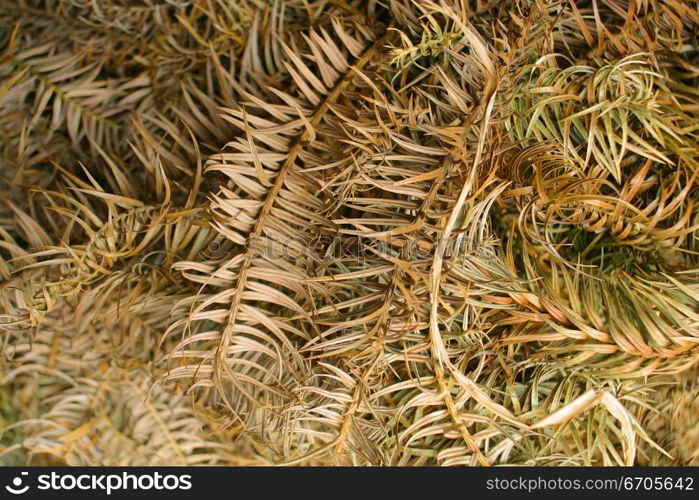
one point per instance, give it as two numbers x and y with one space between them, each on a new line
400 232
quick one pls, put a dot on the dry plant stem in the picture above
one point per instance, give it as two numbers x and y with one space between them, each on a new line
439 355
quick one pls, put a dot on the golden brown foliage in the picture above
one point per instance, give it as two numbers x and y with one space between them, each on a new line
347 232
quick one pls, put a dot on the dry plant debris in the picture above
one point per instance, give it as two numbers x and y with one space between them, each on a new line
396 232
